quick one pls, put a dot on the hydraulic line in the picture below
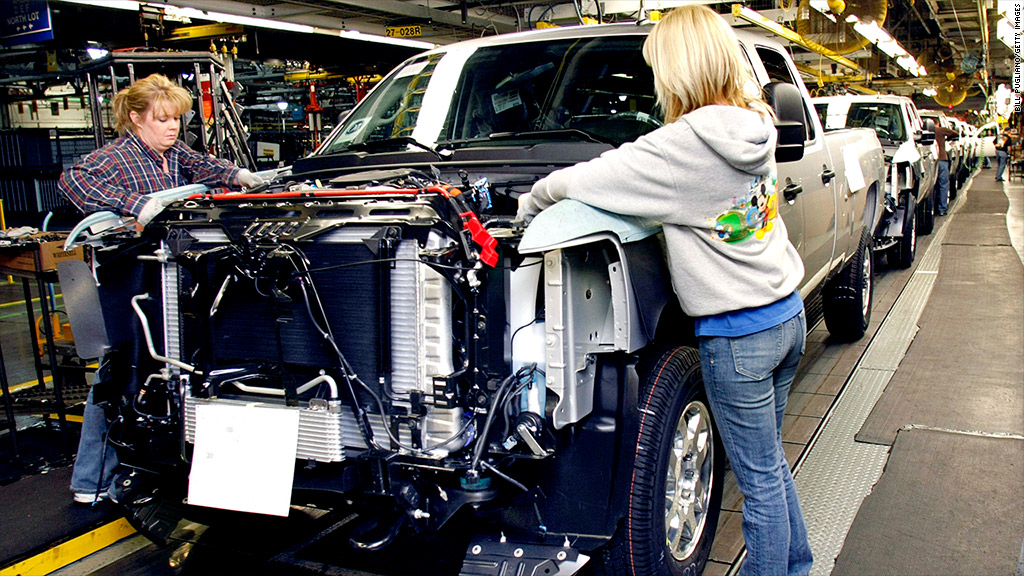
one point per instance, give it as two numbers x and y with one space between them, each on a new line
303 277
149 338
323 378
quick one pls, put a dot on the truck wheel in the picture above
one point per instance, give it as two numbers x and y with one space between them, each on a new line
903 252
846 300
676 488
926 215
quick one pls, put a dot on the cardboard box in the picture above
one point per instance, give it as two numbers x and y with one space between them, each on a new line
21 256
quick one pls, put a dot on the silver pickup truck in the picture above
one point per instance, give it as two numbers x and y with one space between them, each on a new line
908 142
382 338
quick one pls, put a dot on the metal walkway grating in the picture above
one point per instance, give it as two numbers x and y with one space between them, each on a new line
837 472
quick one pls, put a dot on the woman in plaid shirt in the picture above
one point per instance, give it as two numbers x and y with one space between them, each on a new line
147 158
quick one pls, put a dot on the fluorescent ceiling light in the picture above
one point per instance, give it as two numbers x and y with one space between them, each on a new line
822 6
877 36
192 13
357 35
115 4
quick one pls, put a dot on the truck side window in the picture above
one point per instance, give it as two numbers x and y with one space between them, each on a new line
778 71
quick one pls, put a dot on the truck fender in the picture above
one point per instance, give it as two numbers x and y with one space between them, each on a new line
592 302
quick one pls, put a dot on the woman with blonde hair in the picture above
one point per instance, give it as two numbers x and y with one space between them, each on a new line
737 278
146 159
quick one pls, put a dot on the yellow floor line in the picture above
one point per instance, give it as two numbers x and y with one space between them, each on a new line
31 383
71 551
17 387
22 302
68 417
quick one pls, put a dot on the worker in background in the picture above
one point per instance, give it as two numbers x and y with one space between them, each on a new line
147 158
716 152
942 180
1003 144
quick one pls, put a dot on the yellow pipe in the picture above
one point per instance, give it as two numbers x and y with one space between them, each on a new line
822 77
744 13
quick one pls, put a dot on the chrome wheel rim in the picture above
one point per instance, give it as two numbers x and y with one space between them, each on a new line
689 481
865 296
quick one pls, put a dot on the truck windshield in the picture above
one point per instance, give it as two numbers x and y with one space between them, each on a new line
885 119
597 89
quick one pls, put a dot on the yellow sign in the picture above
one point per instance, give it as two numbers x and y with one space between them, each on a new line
413 31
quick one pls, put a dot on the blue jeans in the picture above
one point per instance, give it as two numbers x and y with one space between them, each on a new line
1002 157
747 381
92 467
942 186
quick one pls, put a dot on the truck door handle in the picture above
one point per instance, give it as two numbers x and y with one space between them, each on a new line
827 175
791 190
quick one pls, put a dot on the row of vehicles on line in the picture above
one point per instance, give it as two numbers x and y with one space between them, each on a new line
907 136
398 344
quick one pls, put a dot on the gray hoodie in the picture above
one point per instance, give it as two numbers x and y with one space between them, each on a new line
709 178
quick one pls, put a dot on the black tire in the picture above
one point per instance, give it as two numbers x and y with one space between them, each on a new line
672 402
847 297
926 214
902 254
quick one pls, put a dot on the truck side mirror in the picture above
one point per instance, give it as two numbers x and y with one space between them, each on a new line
788 104
924 138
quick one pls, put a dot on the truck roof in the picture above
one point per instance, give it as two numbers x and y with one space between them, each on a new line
889 98
568 32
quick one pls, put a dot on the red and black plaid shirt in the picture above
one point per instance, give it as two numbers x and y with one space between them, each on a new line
117 176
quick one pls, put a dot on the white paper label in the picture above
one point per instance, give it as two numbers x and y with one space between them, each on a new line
244 458
505 101
854 175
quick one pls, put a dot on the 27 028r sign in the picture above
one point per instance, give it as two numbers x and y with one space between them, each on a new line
413 31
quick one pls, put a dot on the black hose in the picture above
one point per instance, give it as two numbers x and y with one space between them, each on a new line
496 402
481 442
362 419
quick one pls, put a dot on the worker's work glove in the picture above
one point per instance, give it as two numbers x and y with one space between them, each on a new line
247 179
526 210
151 208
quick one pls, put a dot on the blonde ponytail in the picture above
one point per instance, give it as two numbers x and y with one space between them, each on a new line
697 61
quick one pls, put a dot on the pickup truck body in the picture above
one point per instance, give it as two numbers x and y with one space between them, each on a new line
426 357
909 150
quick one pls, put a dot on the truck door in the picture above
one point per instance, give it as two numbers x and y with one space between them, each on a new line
927 153
810 216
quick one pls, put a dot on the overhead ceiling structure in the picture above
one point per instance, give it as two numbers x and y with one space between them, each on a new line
953 40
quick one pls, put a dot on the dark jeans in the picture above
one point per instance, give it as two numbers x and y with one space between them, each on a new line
1002 158
942 186
92 466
